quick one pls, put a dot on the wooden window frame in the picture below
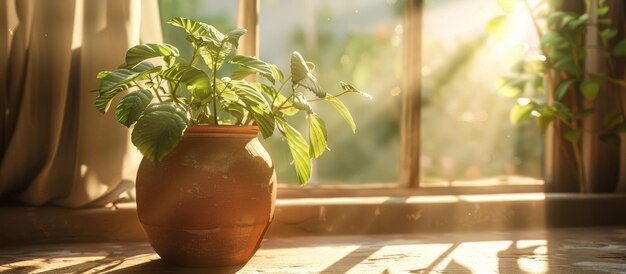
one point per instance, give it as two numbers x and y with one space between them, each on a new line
247 17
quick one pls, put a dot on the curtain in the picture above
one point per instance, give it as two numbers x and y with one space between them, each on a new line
55 148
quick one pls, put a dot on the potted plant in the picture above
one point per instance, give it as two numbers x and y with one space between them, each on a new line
206 187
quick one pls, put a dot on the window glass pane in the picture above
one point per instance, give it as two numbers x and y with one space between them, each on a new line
466 132
358 42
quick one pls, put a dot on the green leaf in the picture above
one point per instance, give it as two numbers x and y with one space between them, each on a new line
544 120
520 113
620 49
250 95
278 74
302 76
589 89
159 130
132 105
233 36
265 121
318 138
345 113
197 82
554 39
612 120
349 88
611 139
567 64
224 90
562 88
119 80
499 27
602 11
299 150
287 108
142 52
253 100
299 69
572 135
214 55
555 17
608 33
580 21
509 6
249 65
103 74
510 86
300 102
200 34
583 113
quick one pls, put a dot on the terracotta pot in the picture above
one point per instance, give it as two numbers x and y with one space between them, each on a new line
210 201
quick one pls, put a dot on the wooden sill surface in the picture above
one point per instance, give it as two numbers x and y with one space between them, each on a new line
569 250
339 216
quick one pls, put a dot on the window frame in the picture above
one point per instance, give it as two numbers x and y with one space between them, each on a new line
410 133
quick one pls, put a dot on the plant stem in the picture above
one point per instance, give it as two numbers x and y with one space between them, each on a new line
282 85
286 100
214 74
193 60
581 173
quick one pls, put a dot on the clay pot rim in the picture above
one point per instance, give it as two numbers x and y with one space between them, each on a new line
221 131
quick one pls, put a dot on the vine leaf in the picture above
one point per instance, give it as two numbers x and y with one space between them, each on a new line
159 130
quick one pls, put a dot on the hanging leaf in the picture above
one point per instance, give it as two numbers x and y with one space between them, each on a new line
509 6
159 130
620 49
233 36
142 52
562 88
610 139
278 74
589 89
499 27
299 150
302 76
300 102
343 110
520 113
349 88
573 135
318 138
132 105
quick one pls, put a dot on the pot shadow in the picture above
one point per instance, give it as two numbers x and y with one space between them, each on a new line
160 266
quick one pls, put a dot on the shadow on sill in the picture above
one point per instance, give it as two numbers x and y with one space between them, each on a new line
338 216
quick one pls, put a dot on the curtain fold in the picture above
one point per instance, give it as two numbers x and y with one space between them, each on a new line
56 148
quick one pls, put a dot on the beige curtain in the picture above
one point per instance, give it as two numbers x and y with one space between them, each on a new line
55 148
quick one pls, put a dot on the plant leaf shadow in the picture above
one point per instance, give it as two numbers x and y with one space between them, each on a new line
160 266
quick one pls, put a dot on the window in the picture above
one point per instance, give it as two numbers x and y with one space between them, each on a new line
464 123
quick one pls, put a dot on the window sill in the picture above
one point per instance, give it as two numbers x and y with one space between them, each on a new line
338 216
